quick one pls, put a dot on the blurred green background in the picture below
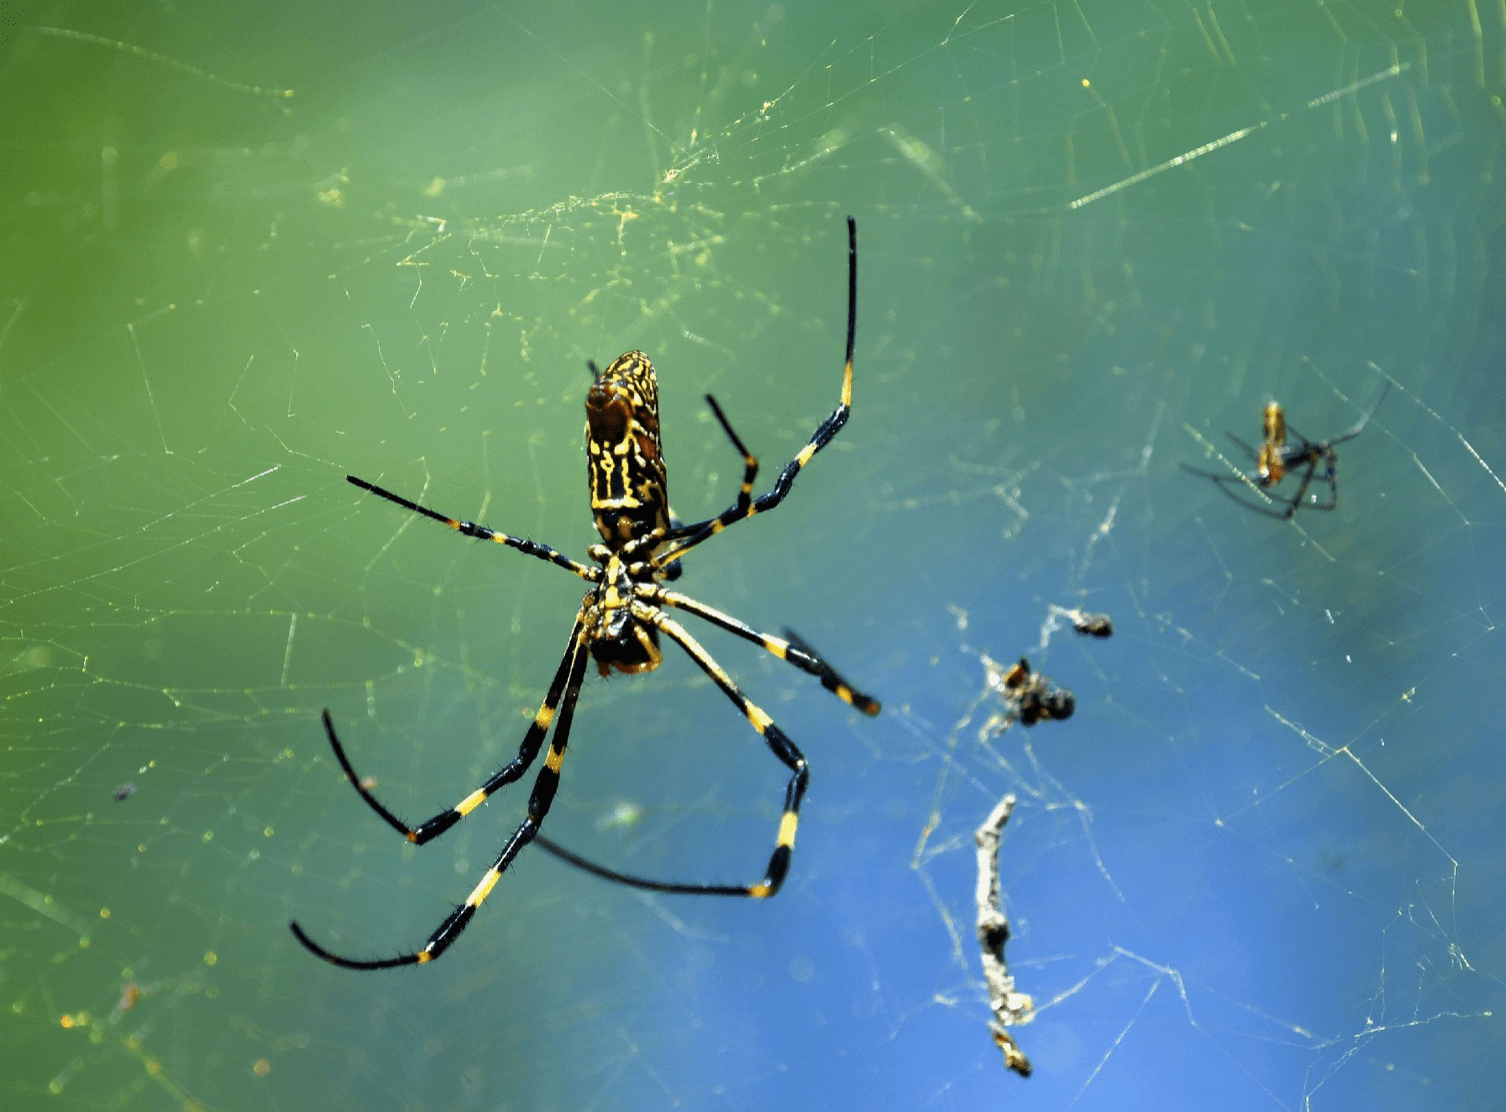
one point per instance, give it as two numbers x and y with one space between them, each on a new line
245 250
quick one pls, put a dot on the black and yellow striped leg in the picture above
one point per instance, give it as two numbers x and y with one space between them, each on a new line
781 746
483 533
791 647
687 537
750 461
432 828
562 693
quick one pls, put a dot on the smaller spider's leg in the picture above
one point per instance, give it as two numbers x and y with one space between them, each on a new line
538 806
1297 453
1354 430
1252 483
779 744
689 536
1248 448
1307 477
1330 476
790 647
1249 479
1217 477
481 532
432 828
1325 476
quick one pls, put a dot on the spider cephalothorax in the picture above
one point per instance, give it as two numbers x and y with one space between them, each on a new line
620 621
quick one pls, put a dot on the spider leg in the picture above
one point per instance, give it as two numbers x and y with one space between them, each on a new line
1249 448
781 746
1354 430
1252 483
816 666
672 570
1330 477
687 537
1222 477
790 647
482 533
1307 477
1296 453
538 806
750 461
432 828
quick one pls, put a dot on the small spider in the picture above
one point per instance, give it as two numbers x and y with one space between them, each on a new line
625 613
1276 459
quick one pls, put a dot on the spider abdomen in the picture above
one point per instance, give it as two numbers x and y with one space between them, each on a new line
625 464
635 648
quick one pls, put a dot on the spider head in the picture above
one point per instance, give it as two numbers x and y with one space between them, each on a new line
625 464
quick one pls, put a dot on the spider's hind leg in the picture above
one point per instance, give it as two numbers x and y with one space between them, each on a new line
562 694
778 743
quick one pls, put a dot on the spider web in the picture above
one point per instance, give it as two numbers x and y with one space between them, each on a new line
247 252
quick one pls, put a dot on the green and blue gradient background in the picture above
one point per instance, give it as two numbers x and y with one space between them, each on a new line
1261 867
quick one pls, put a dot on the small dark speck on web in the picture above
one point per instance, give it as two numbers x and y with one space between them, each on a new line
125 791
1093 625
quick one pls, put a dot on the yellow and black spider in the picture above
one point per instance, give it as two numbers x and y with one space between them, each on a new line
620 620
1276 459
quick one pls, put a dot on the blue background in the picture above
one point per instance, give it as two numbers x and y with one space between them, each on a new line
246 251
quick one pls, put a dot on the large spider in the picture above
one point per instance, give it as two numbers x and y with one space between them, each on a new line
1276 459
620 620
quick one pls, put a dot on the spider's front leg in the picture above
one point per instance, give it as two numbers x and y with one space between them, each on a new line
687 537
482 532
